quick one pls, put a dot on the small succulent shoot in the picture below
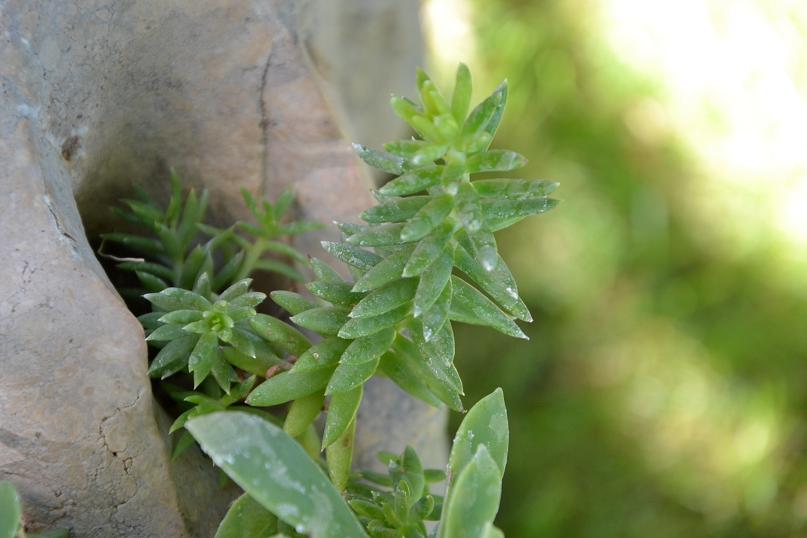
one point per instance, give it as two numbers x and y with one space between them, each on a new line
174 255
399 502
207 336
425 258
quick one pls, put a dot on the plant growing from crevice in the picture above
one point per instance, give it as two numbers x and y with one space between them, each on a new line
425 258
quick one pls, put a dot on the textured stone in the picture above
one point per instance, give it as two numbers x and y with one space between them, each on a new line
96 95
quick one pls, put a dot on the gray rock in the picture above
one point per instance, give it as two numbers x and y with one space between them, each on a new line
96 95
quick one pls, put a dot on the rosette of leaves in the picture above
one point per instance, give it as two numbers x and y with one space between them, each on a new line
399 502
219 340
178 247
425 258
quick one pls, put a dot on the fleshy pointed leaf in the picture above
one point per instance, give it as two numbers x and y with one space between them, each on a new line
323 320
386 271
514 189
351 375
427 251
498 283
177 299
382 160
364 326
395 210
342 411
500 214
291 302
413 181
495 160
427 218
461 98
281 335
352 255
302 413
385 299
468 305
432 282
289 386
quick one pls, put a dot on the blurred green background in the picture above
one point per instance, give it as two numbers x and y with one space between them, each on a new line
664 389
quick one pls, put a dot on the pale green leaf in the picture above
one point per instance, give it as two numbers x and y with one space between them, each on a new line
275 471
342 411
247 518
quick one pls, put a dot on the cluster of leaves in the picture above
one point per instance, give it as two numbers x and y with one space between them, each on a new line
173 254
11 517
203 310
397 503
286 491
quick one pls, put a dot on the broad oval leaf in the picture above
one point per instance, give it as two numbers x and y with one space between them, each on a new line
473 499
485 424
276 471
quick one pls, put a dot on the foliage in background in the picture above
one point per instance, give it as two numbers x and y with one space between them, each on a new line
667 395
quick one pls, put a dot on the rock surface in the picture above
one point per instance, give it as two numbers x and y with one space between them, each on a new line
96 95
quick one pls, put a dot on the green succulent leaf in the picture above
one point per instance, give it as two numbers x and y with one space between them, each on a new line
386 298
514 189
10 510
282 336
352 255
461 98
348 376
365 326
325 320
291 302
385 272
302 413
395 209
468 305
247 518
485 424
342 411
382 160
474 499
413 182
432 282
289 386
276 472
